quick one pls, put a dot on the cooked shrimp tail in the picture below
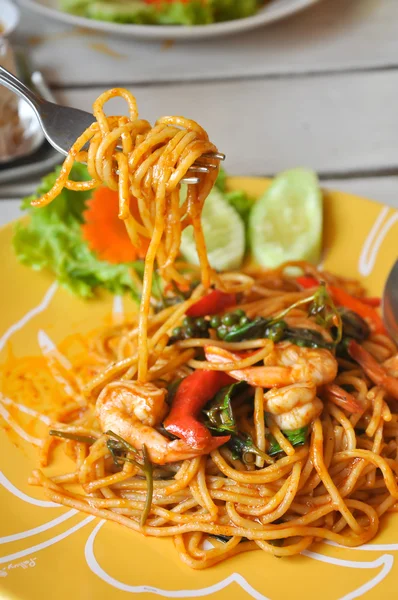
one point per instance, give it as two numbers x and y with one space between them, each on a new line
285 365
374 370
341 398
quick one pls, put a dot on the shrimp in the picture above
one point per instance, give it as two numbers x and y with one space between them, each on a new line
381 374
340 397
294 373
293 406
286 364
132 410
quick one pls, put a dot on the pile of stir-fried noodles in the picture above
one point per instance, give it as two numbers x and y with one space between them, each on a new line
255 409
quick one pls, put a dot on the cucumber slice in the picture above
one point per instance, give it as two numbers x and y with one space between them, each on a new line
224 233
286 223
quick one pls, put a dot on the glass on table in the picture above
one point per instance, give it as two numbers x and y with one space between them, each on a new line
11 131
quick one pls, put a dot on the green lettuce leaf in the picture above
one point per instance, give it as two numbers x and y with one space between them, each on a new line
52 239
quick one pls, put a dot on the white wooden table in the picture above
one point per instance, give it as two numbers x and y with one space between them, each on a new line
319 90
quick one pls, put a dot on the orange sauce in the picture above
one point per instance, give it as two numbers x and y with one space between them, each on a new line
35 40
107 50
42 384
167 44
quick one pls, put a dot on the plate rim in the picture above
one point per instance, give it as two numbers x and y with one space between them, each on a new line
11 591
178 32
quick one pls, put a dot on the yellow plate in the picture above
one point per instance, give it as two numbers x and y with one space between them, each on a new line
49 552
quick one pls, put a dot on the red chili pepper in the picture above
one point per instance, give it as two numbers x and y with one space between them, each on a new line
215 302
375 302
365 311
306 282
192 395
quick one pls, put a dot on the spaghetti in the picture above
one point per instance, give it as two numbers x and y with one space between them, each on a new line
149 166
254 415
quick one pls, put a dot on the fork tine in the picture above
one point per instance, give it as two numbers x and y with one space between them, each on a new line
190 180
198 169
217 155
209 166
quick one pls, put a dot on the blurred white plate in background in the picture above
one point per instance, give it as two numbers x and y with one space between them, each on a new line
273 11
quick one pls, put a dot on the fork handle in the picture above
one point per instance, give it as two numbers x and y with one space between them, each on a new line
15 85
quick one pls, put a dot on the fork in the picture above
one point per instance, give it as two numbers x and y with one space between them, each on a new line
390 303
62 125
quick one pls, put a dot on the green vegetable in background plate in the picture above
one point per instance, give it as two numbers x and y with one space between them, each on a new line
163 12
228 10
195 12
118 12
